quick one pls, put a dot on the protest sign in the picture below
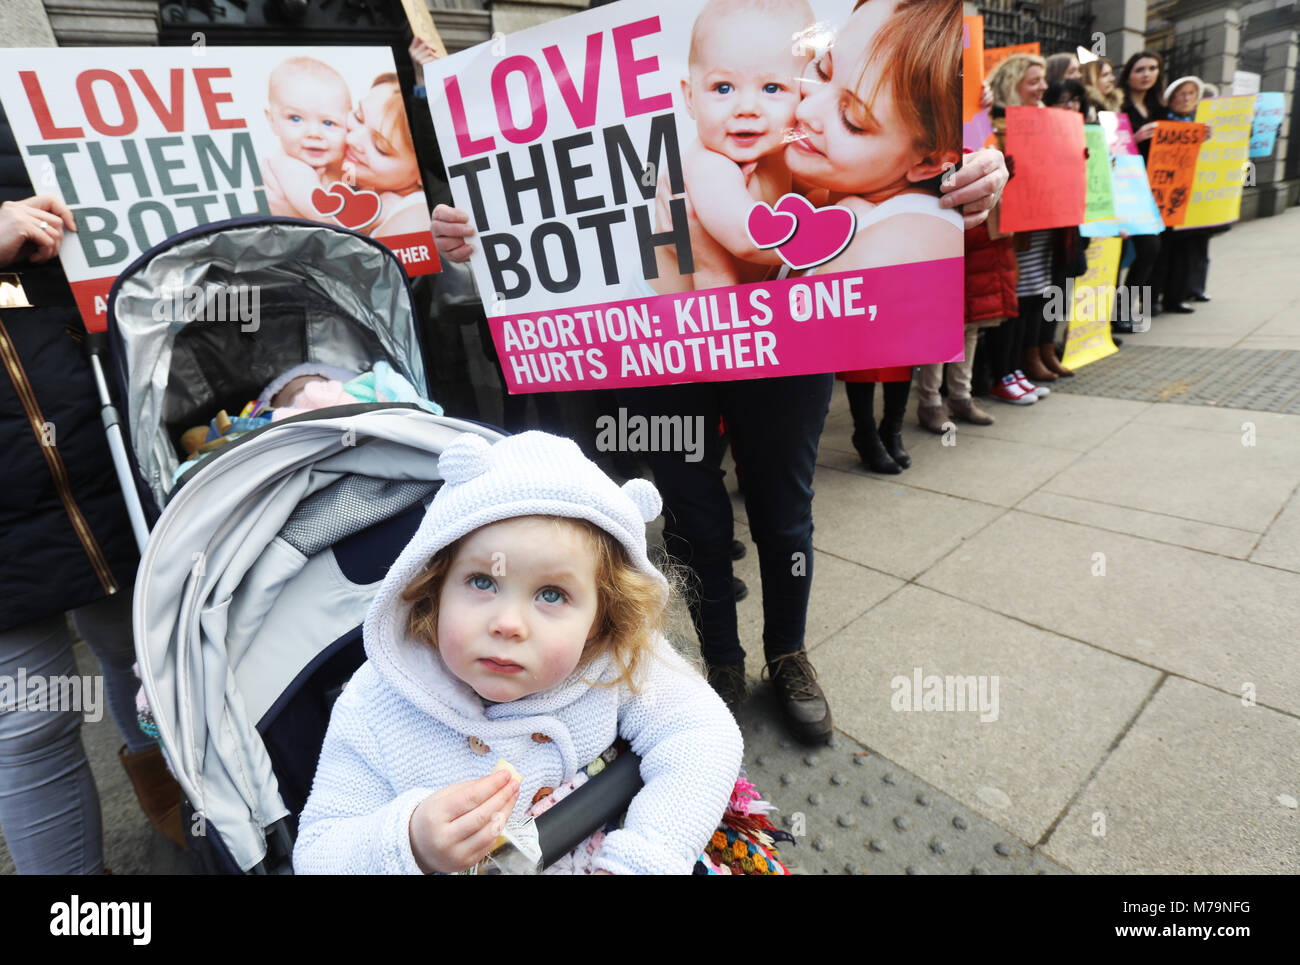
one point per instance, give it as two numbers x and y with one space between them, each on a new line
143 143
1270 110
1171 167
1048 187
1100 204
1135 208
1221 164
1091 298
977 126
995 55
1245 82
1119 133
421 21
581 149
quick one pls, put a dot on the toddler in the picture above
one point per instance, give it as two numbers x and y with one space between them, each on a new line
742 91
522 623
308 111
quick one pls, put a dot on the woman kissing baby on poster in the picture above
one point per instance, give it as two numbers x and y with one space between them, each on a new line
869 124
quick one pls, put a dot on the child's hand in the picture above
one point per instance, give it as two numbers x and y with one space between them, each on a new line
450 229
453 829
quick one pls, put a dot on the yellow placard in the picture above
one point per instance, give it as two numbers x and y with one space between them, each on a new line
421 21
1091 298
1223 162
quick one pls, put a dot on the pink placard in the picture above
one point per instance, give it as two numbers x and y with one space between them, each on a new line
1119 132
830 322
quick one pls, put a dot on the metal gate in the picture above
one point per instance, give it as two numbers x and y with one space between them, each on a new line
1058 25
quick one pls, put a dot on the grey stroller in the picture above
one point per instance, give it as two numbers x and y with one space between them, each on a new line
262 558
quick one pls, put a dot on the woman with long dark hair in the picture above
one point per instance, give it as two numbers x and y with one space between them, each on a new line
1142 80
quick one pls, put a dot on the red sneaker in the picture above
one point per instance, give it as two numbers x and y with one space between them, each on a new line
1011 391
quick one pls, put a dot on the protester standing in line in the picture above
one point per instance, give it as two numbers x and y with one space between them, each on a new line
67 546
1189 253
1142 80
1098 77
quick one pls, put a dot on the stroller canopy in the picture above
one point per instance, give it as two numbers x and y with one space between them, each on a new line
205 320
239 590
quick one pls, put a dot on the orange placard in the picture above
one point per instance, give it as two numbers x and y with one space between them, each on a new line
995 55
1171 167
972 65
1048 186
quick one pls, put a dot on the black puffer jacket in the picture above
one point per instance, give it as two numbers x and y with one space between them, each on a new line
64 535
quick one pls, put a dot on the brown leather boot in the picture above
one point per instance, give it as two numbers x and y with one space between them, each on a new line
1048 354
156 790
1033 366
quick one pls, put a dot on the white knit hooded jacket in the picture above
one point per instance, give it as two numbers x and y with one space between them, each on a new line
405 727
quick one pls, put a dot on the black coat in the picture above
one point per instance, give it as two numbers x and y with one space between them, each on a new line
65 539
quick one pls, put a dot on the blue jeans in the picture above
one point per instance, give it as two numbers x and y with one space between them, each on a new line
774 425
49 806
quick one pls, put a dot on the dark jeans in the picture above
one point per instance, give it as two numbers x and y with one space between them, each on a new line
1144 270
774 425
1008 341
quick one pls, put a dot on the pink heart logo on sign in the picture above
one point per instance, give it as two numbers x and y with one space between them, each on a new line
822 233
768 228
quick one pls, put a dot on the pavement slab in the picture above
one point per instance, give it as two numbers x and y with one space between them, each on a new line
1211 477
1056 704
1225 623
1200 784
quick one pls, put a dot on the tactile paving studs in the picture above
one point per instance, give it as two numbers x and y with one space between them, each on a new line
873 817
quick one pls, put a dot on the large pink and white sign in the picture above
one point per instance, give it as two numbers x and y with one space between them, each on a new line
717 190
145 142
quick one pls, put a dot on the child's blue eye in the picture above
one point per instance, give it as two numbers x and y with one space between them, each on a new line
295 118
723 88
480 582
772 88
552 595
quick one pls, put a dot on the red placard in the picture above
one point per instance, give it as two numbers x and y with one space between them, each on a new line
1049 183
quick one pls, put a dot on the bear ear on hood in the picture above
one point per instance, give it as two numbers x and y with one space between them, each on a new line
645 497
465 457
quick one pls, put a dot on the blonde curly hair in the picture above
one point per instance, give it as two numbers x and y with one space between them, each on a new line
1007 76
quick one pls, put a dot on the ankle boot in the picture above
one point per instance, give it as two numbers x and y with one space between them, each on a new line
1048 354
866 441
1032 365
156 790
891 426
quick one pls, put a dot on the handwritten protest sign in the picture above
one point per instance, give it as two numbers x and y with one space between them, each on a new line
1135 208
1100 204
143 143
1270 111
1049 184
1119 133
577 153
1171 167
1221 164
995 55
1090 298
